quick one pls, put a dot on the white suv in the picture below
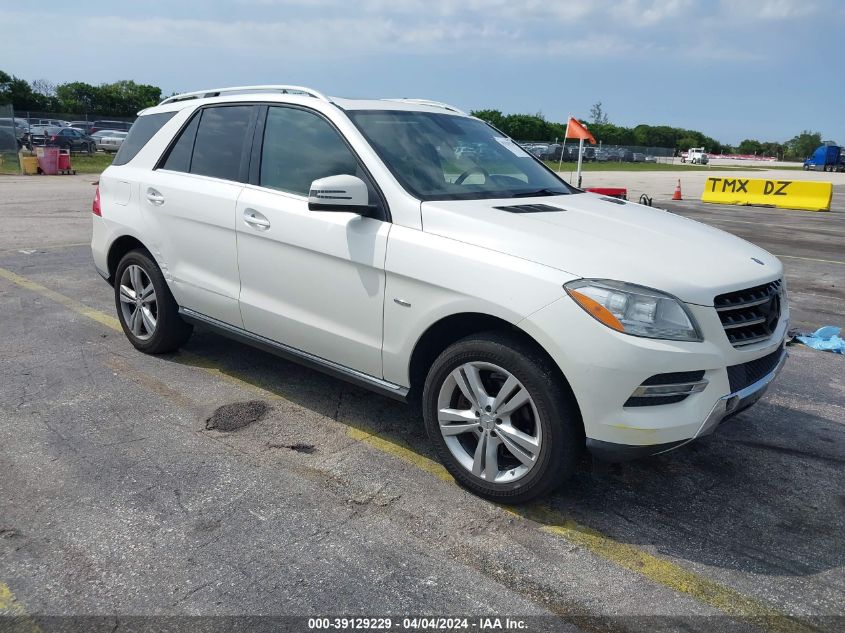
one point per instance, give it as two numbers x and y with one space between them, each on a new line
531 319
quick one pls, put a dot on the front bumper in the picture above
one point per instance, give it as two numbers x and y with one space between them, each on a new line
605 367
725 407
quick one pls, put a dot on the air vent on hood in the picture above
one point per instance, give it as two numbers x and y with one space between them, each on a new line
530 208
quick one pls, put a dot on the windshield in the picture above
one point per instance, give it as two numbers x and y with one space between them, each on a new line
446 157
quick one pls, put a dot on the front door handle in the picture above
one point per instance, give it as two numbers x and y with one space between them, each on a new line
155 197
256 220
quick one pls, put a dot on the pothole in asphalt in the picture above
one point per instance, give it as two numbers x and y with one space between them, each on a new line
237 415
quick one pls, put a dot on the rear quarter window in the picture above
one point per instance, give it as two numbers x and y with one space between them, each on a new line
144 128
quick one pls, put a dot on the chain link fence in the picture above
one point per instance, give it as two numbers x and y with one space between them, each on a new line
11 133
34 118
568 152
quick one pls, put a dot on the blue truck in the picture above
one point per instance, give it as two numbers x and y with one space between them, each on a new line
826 158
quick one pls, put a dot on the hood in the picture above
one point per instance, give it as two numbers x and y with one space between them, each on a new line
596 237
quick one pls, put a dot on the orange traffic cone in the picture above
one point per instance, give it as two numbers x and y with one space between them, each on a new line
677 194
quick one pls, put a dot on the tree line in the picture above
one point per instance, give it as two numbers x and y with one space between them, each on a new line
126 98
535 127
121 98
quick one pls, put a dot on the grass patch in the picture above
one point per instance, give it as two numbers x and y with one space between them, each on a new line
9 164
82 163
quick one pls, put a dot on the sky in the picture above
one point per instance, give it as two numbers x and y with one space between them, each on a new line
733 69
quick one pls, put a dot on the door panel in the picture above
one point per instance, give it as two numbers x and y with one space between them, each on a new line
313 280
193 218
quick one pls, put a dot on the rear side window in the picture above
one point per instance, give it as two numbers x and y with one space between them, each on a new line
222 142
300 147
139 134
179 157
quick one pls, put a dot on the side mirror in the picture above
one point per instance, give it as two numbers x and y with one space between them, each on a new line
340 193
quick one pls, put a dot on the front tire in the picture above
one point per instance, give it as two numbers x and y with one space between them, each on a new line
502 423
146 308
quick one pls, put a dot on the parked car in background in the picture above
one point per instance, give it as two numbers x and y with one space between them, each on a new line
638 157
65 138
122 126
111 141
49 122
17 128
84 126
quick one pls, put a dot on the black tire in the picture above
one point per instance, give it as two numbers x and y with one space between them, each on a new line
170 331
806 168
559 418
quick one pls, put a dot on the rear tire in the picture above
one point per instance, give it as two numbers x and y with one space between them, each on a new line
145 306
517 438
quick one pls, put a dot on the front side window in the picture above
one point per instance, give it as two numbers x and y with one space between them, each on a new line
222 141
300 147
446 157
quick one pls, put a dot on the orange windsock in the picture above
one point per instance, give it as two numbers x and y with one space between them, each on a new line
574 129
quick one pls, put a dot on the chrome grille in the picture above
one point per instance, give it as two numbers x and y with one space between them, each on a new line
750 316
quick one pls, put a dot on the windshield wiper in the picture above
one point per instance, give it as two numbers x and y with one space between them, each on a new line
539 192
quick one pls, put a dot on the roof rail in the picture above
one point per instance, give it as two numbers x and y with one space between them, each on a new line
429 102
216 92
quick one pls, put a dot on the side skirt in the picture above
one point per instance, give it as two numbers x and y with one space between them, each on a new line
389 389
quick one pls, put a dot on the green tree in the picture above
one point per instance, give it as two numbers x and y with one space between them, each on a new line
750 146
493 117
803 145
79 97
19 93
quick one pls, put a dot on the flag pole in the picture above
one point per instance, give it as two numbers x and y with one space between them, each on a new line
563 147
580 152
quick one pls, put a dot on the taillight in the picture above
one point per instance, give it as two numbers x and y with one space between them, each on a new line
95 208
54 137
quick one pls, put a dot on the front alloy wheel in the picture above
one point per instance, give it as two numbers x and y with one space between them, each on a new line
489 422
502 418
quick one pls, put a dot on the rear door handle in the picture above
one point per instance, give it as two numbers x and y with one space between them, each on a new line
256 220
155 197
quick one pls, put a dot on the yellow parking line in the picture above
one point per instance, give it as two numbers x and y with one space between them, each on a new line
71 304
813 259
13 610
655 569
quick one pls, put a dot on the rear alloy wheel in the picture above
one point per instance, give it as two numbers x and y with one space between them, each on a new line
146 309
503 425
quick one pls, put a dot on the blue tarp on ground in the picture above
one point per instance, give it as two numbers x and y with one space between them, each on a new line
826 339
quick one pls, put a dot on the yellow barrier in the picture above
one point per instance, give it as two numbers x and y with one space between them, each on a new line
787 194
29 164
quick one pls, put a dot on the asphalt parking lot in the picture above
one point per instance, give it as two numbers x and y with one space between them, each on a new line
116 499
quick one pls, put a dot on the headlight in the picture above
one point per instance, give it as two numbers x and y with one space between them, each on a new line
634 309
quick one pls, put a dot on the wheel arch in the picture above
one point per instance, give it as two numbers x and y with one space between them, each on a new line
118 249
452 328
